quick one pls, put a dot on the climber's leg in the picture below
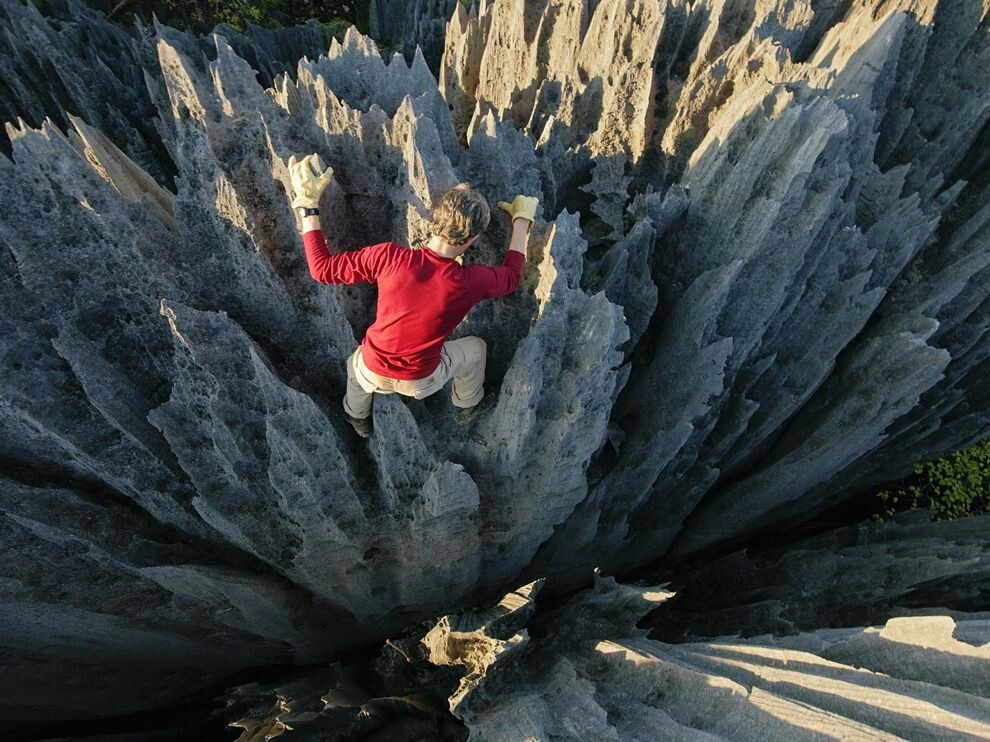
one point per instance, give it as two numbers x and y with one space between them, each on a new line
466 359
360 388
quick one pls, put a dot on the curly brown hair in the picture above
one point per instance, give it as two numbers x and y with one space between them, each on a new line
460 214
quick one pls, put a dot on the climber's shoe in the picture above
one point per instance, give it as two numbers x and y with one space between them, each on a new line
361 425
463 414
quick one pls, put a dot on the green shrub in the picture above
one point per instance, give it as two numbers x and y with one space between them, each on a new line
952 487
203 15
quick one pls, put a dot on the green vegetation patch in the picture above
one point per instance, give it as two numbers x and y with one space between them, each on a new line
202 15
952 487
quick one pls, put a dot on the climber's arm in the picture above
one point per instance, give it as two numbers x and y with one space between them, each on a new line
309 181
488 282
492 282
310 223
353 266
523 213
520 235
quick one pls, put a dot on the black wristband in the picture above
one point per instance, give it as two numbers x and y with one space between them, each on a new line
305 211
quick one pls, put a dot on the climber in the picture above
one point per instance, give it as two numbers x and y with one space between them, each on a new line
423 294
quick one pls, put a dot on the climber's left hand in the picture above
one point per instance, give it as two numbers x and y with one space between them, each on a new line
309 180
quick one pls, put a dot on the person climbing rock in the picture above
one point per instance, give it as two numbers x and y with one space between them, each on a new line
423 294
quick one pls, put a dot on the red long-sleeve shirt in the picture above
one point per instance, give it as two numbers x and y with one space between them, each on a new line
422 297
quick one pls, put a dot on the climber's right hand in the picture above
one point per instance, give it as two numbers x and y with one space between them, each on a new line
309 180
522 207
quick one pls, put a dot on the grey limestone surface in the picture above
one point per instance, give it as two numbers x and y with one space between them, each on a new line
758 284
586 669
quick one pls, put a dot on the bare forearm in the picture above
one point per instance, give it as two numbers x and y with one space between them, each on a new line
309 223
520 235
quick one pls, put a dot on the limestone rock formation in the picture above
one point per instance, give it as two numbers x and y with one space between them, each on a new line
592 675
807 143
852 576
408 26
382 701
758 283
583 670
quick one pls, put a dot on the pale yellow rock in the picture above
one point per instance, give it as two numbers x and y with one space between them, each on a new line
120 171
525 49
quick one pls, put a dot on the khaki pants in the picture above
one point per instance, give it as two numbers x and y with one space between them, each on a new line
462 360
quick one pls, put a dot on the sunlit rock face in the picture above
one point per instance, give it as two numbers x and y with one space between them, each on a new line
759 283
821 310
589 673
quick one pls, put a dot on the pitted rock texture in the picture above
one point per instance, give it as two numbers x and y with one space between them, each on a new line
583 670
758 283
70 61
803 142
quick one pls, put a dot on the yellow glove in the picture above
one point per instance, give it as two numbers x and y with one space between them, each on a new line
522 207
308 181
